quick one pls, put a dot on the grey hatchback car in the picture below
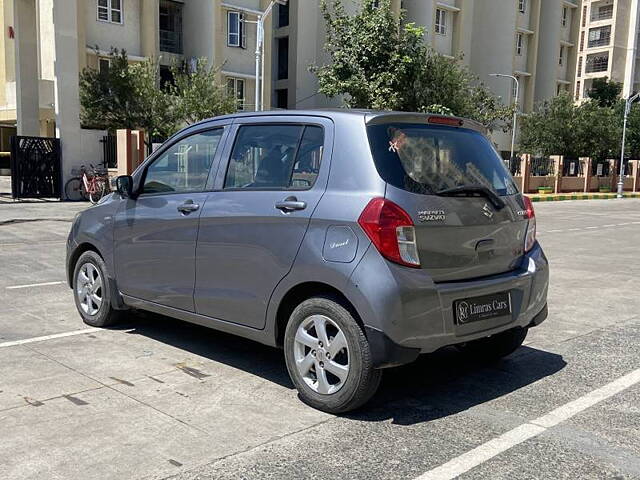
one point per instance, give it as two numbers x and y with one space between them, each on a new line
354 240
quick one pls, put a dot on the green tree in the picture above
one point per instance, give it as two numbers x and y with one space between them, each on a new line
632 148
551 128
379 61
109 99
373 58
198 94
128 95
606 93
560 127
599 131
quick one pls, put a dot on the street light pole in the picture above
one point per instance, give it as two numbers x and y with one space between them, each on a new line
515 111
627 109
259 93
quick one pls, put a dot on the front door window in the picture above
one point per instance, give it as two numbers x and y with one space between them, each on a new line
184 167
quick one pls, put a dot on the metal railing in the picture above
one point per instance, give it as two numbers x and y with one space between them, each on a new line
602 13
597 64
542 167
109 151
171 42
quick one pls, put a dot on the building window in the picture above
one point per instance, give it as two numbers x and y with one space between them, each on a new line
599 37
441 21
103 66
170 27
584 16
110 11
578 90
282 98
519 43
579 73
561 58
598 62
236 35
522 6
283 58
565 15
582 40
283 15
235 89
603 12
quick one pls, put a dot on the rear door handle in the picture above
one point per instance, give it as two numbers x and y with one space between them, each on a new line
290 204
188 207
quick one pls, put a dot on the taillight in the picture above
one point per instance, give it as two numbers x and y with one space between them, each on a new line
530 238
391 230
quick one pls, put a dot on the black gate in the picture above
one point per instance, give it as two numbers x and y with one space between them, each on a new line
35 167
109 151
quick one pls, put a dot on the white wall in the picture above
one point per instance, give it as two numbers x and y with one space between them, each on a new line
46 39
197 33
106 35
90 147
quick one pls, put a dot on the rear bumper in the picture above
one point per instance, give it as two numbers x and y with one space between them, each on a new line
412 312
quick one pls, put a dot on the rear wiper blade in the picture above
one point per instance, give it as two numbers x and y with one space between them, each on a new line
470 190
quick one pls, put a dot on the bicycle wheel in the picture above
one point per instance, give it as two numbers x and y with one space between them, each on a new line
74 190
99 192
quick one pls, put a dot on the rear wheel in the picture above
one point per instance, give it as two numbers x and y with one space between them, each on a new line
328 356
91 291
496 346
74 190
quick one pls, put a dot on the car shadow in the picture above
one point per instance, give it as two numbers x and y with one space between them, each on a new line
436 385
231 350
447 382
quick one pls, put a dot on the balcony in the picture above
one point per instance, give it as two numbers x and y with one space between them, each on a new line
599 37
597 63
604 12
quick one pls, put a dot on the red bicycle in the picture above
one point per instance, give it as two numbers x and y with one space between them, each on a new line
89 184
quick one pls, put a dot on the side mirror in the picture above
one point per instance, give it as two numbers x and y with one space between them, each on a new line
124 185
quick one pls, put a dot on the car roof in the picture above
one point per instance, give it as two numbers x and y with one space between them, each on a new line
369 116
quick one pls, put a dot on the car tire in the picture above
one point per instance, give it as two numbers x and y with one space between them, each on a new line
496 346
92 291
361 380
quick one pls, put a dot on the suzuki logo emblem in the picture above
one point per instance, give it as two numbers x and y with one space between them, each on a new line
486 211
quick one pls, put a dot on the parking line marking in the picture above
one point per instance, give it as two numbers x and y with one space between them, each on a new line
524 432
45 284
49 337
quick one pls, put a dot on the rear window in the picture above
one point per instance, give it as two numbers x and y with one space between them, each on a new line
427 159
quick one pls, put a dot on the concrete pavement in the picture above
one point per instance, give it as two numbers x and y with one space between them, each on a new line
158 398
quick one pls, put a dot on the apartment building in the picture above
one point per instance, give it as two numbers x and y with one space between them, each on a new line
172 31
608 45
47 43
534 40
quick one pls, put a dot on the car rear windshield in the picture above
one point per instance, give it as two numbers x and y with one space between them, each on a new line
428 159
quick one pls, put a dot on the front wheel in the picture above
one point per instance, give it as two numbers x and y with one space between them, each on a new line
328 356
496 346
92 291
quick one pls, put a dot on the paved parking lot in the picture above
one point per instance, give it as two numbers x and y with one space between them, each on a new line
157 398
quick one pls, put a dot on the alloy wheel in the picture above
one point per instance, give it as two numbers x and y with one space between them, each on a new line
321 354
89 289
